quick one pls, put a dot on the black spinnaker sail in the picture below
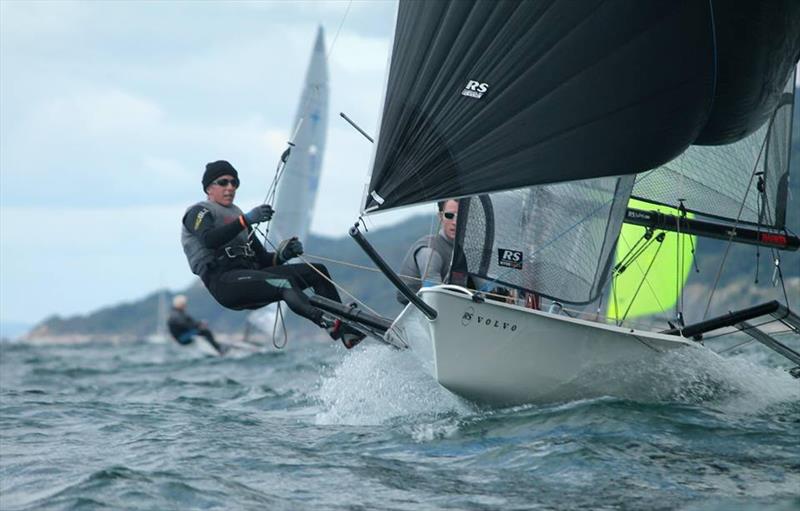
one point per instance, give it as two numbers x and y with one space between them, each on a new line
495 95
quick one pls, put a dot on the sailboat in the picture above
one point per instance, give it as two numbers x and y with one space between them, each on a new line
160 335
545 120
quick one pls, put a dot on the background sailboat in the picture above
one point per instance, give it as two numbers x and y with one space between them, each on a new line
160 335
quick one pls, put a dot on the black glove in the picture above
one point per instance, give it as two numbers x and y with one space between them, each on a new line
288 249
262 213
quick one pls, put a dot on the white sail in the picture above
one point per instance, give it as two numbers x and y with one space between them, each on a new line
160 334
297 188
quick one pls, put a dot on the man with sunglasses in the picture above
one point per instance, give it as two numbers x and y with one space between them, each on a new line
219 243
427 262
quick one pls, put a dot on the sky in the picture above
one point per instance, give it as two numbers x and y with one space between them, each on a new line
109 112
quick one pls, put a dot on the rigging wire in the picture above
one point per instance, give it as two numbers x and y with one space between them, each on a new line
679 247
335 37
338 286
776 257
632 257
733 229
659 239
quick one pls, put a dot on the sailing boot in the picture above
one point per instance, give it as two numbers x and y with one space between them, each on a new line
339 330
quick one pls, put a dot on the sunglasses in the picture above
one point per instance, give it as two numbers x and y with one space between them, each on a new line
448 215
225 182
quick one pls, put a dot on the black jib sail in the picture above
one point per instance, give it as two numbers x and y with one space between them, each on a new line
485 96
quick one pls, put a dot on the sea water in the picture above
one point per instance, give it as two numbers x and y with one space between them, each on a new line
156 426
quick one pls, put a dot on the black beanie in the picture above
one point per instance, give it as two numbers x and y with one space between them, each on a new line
216 169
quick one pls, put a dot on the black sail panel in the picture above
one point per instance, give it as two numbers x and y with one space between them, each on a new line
757 46
495 95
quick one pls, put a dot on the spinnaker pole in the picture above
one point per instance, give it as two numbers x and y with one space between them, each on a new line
765 237
401 286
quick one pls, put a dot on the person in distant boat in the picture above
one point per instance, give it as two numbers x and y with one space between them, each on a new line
184 328
427 261
219 242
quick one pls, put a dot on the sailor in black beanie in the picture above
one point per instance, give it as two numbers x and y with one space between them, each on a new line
217 169
238 271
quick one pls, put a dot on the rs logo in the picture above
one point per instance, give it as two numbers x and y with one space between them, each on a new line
509 258
475 89
511 255
477 86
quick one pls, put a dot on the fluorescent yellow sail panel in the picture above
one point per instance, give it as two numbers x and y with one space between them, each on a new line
659 292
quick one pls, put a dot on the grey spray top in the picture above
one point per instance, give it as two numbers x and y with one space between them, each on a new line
410 271
200 257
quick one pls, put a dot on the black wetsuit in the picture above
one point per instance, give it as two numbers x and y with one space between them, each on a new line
183 328
251 280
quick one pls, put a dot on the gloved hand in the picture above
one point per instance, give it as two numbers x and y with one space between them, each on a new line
262 213
288 249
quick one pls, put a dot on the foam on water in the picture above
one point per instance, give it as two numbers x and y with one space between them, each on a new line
740 384
373 385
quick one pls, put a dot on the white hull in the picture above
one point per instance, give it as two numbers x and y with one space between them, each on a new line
503 354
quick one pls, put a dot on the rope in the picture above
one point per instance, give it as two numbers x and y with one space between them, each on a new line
335 37
375 270
345 263
279 314
337 286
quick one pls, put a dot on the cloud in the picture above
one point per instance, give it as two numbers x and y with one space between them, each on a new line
101 115
34 21
110 111
71 261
